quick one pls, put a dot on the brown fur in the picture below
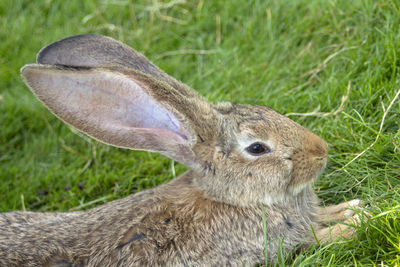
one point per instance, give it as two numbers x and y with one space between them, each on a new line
209 216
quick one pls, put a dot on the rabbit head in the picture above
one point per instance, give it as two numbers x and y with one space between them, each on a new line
261 156
244 154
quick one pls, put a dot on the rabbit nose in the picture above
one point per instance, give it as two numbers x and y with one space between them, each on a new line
317 148
320 161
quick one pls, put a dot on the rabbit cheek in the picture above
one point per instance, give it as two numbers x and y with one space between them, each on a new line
270 179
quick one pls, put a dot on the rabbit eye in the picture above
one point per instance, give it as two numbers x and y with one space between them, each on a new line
257 149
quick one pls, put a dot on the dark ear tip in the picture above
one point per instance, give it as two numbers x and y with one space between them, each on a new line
48 54
28 73
26 69
22 69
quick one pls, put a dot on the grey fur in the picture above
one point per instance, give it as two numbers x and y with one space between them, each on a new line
209 216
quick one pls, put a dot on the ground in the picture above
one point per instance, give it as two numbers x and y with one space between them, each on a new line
332 66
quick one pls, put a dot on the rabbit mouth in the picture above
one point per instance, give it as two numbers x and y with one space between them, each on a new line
302 178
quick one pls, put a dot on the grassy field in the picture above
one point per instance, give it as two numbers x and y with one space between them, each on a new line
333 66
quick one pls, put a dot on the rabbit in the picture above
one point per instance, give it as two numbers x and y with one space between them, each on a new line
246 197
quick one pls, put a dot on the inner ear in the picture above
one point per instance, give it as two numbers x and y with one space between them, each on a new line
113 107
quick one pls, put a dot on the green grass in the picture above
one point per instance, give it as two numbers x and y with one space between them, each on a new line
293 56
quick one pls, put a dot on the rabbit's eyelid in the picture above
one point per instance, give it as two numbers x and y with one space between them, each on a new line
244 143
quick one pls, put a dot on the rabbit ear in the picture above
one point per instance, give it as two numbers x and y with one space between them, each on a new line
91 50
125 109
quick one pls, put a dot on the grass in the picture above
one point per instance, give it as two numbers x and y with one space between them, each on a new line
293 56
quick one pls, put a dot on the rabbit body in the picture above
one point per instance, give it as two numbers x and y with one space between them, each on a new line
243 160
172 225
